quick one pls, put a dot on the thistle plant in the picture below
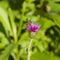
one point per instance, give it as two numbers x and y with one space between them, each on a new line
13 35
32 28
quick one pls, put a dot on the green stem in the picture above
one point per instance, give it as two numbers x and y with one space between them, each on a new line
17 57
20 24
29 49
41 3
14 32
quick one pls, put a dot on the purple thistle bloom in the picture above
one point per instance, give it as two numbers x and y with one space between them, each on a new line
33 27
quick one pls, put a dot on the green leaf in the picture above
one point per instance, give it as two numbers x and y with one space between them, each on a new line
3 40
23 37
54 6
4 20
46 23
13 25
7 51
56 18
30 1
43 56
4 4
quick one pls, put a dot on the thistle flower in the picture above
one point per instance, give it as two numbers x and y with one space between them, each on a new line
33 27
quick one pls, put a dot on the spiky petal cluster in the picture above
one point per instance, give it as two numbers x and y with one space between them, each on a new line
33 27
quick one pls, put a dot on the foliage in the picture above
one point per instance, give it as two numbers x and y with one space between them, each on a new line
14 38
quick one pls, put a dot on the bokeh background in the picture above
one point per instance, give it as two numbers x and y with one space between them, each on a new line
14 38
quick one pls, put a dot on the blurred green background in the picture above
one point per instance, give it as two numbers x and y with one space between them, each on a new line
14 38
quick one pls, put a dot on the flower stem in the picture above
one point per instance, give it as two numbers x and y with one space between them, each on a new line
29 49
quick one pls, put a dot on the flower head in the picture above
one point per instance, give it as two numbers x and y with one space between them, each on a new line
33 27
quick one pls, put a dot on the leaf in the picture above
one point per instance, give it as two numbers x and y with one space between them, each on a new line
7 51
13 25
4 4
46 23
43 56
4 20
3 40
30 1
53 0
23 41
54 6
56 18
